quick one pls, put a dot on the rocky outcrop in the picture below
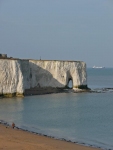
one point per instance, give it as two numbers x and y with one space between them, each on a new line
57 73
17 75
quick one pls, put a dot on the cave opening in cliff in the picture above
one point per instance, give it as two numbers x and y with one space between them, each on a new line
70 83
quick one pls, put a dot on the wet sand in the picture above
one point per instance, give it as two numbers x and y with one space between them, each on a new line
15 139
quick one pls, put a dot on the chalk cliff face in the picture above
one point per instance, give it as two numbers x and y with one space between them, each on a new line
14 77
57 73
17 75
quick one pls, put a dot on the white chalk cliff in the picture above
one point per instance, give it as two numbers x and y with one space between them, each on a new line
57 73
16 75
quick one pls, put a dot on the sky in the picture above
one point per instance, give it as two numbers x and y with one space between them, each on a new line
79 30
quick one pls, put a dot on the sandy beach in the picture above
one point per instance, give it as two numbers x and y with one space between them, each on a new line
15 139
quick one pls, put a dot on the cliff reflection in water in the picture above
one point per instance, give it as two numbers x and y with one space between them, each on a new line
11 109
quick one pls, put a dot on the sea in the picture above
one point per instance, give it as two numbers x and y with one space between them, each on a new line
84 118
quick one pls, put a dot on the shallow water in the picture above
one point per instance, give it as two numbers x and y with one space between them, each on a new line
86 118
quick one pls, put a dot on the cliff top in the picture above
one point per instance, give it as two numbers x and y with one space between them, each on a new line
4 56
11 58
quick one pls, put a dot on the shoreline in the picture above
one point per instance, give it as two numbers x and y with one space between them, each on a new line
14 138
44 90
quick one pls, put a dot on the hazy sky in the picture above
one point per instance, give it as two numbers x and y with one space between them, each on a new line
58 29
